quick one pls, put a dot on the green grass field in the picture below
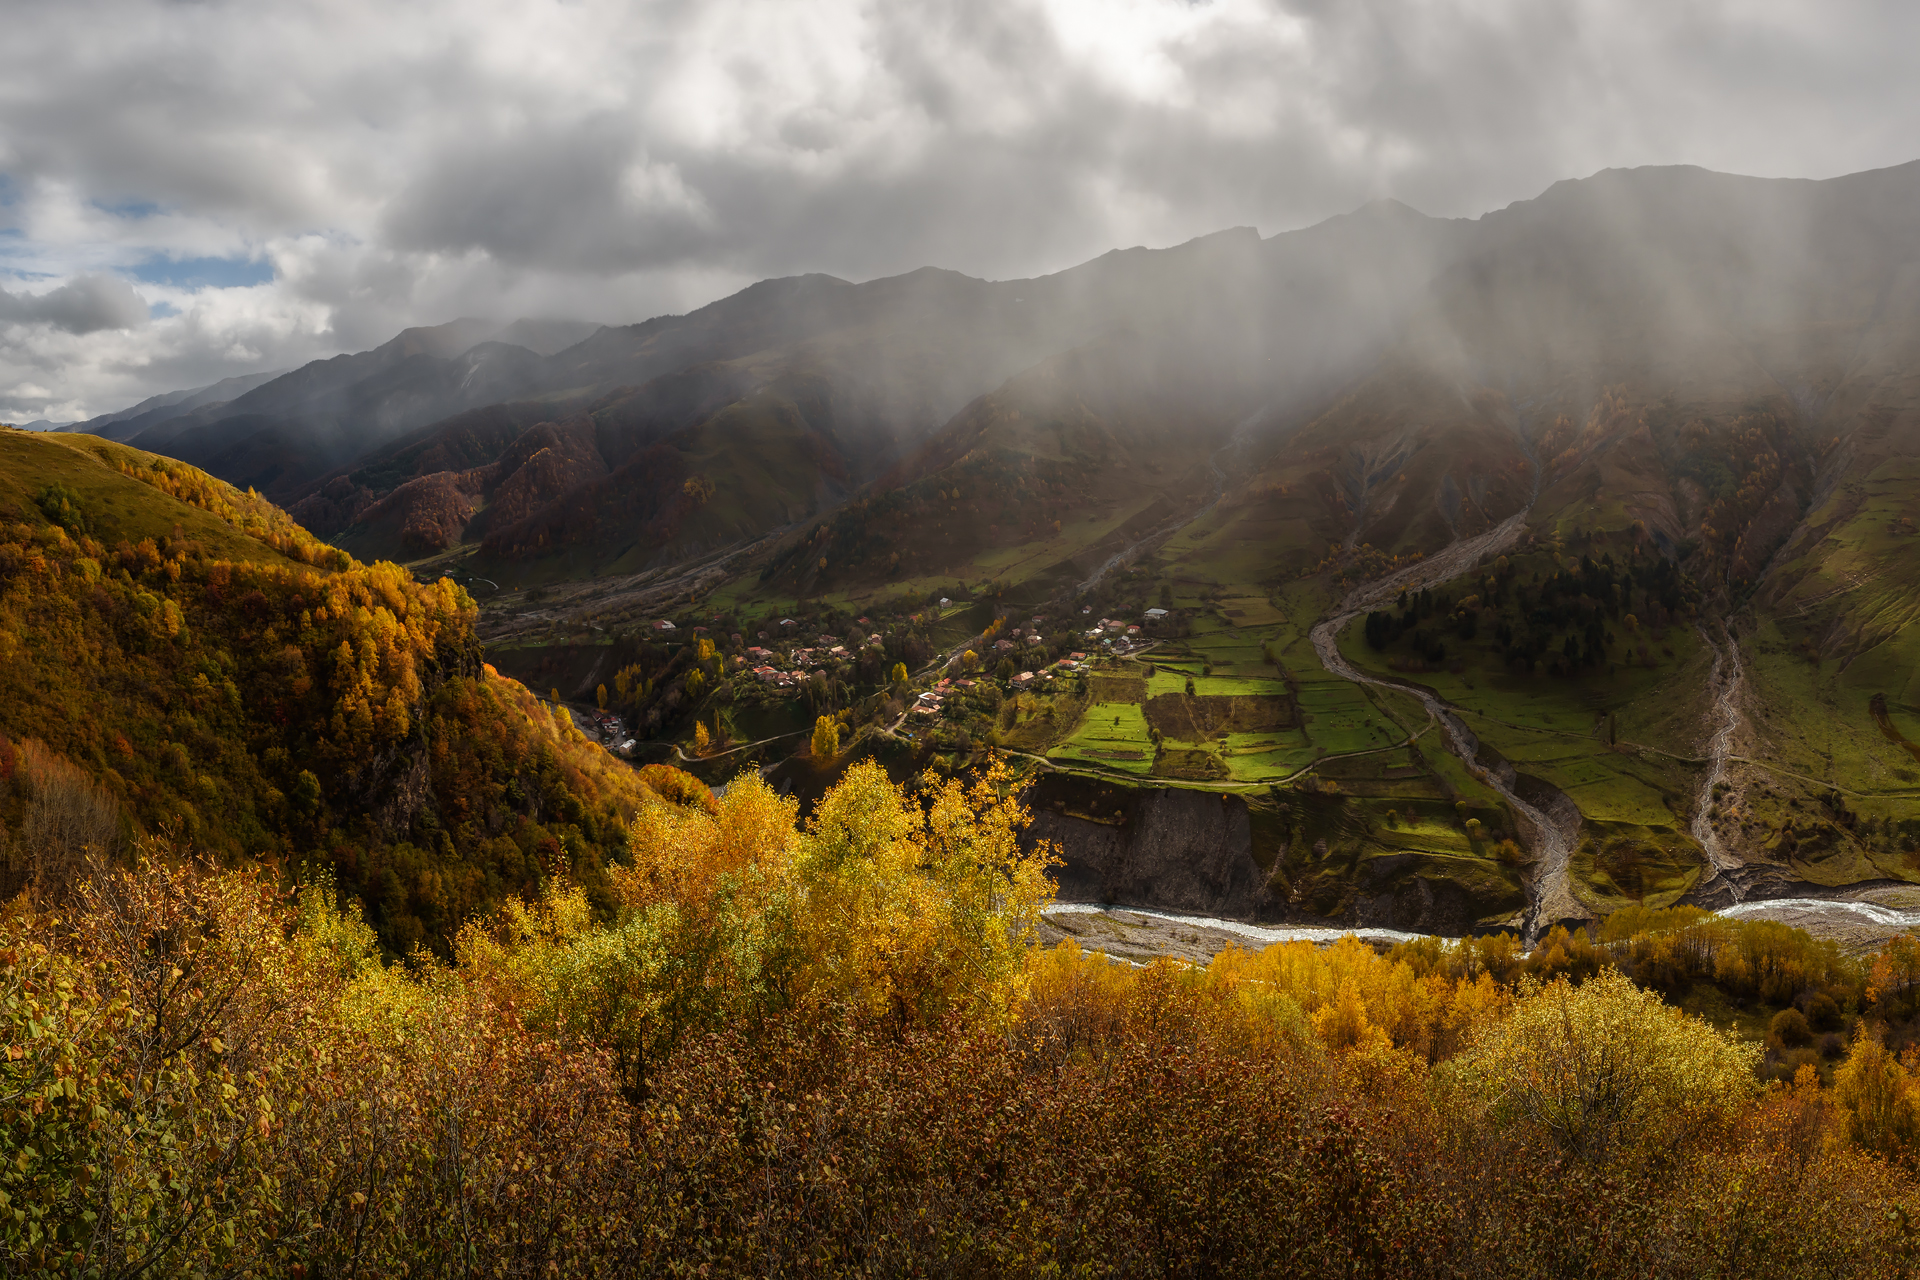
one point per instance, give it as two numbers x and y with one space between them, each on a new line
1338 717
117 506
1111 734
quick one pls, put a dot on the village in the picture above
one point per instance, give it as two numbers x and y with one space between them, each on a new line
781 671
952 673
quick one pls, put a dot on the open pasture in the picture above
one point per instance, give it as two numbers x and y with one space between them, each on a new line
1111 734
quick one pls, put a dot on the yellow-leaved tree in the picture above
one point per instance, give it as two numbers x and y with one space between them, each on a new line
1606 1069
826 738
1352 997
883 907
908 913
1879 1096
697 938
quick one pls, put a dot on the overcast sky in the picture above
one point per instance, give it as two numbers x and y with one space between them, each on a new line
190 190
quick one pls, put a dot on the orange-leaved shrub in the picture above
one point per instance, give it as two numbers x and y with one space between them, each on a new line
827 1046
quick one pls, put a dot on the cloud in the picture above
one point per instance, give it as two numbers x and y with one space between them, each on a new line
86 304
360 167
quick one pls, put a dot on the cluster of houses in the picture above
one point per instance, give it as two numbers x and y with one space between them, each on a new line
1118 636
1019 637
934 700
1065 666
826 650
610 730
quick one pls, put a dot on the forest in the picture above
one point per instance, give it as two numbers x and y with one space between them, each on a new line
1561 616
242 687
827 1045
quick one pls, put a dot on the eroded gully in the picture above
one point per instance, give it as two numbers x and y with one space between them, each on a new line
1549 891
1725 681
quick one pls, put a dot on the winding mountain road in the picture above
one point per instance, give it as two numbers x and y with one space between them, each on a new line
1549 887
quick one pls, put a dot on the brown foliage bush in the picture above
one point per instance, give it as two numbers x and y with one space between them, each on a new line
228 1079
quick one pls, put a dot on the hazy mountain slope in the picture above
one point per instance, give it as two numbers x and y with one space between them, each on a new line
128 423
278 436
883 364
1390 380
1193 343
1703 299
279 432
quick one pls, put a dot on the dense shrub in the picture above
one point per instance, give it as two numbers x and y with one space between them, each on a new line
826 1048
1789 1029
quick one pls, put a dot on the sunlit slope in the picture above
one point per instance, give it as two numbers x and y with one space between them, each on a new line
224 677
126 494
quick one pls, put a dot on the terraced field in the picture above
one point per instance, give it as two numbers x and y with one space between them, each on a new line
1340 718
1110 734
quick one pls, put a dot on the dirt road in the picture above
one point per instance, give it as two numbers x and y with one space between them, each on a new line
1549 890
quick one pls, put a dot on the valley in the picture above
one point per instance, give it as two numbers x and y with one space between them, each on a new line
1149 641
1489 574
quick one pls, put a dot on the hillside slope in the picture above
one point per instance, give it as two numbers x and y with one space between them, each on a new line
222 676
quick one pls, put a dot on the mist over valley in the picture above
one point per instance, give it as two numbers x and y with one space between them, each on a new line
607 667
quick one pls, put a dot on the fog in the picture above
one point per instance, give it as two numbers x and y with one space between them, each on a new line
195 191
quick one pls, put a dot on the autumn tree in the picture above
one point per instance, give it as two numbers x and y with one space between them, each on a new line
1879 1095
1606 1068
826 738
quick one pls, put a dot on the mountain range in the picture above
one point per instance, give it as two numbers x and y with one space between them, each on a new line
1676 275
1620 478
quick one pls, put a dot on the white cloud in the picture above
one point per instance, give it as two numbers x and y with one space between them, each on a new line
404 164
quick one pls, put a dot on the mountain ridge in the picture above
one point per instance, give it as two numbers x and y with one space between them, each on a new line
1682 397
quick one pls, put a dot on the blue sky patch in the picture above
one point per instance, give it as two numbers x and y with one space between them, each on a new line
130 209
202 273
